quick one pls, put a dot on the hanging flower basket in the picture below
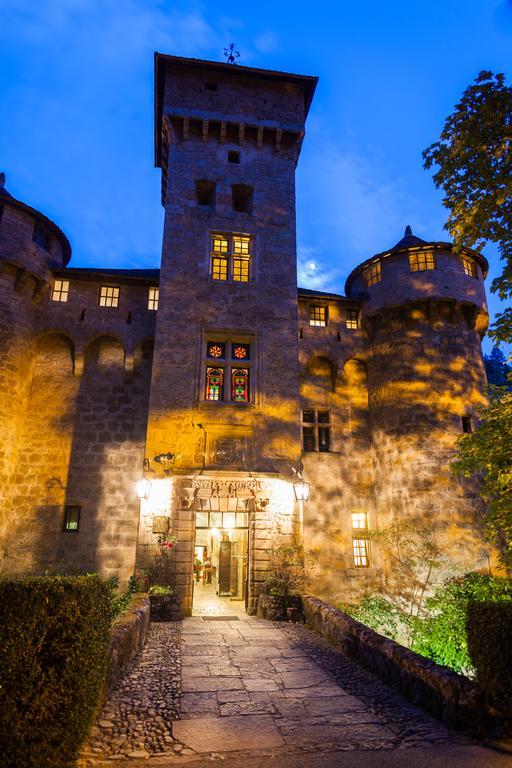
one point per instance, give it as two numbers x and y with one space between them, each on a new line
166 541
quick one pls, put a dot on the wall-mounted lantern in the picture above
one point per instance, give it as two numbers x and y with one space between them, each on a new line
300 486
143 486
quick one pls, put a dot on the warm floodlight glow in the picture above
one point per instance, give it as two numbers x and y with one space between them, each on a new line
143 488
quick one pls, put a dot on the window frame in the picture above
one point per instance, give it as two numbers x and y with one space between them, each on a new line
361 553
425 261
228 363
316 426
469 266
153 299
349 321
318 322
117 296
355 516
69 509
57 294
372 274
237 263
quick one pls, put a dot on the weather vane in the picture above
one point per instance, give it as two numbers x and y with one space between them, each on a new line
231 54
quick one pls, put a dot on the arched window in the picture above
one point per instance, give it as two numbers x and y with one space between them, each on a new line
214 383
240 385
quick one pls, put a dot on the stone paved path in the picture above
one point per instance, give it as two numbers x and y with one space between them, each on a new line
251 687
248 684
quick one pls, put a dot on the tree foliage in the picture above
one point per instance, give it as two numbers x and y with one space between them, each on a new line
499 372
474 161
487 453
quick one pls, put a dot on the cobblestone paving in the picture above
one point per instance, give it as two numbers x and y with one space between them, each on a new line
137 720
248 684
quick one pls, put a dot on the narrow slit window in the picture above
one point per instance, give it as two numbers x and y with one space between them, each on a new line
153 297
360 551
71 518
205 193
109 296
372 274
352 319
242 198
317 315
422 261
467 425
60 290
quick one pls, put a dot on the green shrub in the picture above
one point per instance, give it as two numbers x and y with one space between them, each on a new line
159 589
380 614
54 640
489 630
441 636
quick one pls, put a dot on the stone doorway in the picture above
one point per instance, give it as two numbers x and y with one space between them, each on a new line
221 555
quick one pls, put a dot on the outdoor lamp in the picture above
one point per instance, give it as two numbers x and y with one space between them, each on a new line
143 488
300 486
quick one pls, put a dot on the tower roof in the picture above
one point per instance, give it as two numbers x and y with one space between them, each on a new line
408 240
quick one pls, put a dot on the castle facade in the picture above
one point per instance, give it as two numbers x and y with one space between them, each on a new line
213 377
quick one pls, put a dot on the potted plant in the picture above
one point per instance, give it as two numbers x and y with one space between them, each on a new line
166 541
280 598
165 605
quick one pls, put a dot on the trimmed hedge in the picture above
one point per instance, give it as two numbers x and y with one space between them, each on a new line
54 639
489 628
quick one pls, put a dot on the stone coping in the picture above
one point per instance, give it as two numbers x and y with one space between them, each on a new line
452 698
128 636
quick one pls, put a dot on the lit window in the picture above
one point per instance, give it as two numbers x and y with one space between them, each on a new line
109 296
316 431
353 319
317 315
226 380
230 258
467 426
60 290
372 274
153 298
359 520
422 261
71 518
469 266
360 553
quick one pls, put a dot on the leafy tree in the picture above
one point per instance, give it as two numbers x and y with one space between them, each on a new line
487 453
497 369
474 160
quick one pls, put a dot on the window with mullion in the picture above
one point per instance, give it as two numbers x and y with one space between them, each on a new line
228 370
316 431
230 257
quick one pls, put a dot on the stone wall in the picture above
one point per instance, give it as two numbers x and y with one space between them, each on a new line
128 638
448 696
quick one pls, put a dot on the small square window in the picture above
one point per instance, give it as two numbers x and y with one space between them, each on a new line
372 274
216 350
233 157
317 315
422 261
71 518
219 268
360 551
109 296
60 290
360 520
352 321
240 351
469 266
154 294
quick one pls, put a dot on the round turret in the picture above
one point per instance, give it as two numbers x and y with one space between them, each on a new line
415 270
424 312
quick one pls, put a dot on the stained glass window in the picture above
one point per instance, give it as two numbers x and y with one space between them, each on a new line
240 385
240 351
214 383
216 349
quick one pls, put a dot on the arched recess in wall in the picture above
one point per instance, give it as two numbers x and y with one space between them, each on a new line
104 355
319 380
143 358
354 391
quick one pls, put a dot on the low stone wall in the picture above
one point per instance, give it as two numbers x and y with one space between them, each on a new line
128 636
445 694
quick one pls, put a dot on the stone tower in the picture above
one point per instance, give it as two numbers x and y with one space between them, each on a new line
30 247
424 312
224 392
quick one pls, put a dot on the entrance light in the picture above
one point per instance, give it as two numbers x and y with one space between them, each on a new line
143 488
300 486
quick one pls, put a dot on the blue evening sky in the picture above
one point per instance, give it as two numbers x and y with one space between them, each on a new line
76 134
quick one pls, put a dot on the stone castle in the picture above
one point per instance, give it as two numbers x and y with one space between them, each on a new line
212 377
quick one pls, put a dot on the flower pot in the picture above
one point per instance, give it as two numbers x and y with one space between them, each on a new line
165 608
